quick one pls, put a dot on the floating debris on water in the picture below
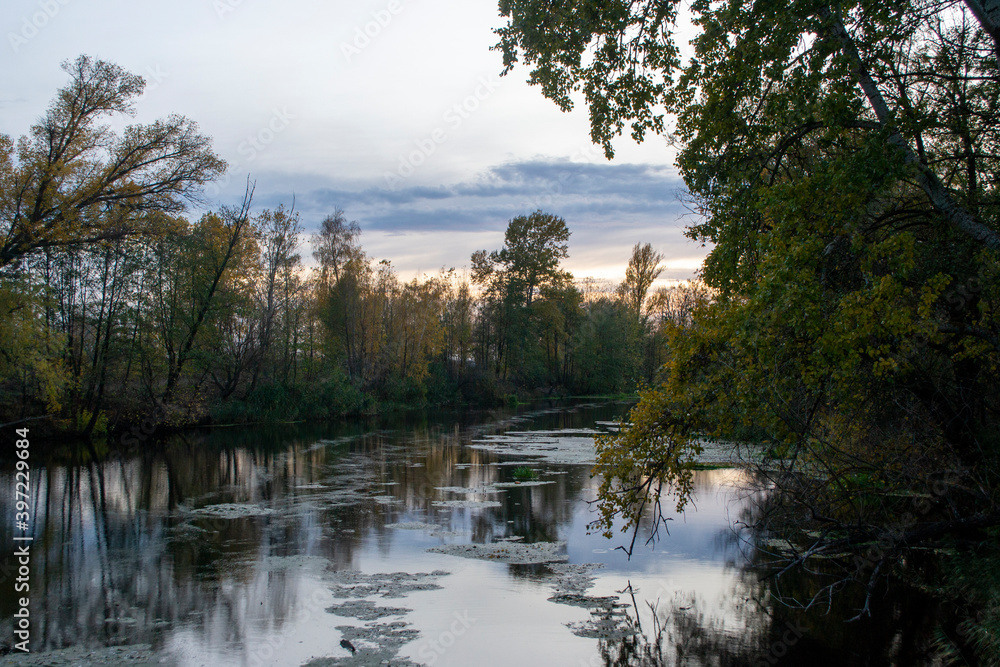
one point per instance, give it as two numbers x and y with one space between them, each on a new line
365 610
373 644
233 510
515 463
572 446
573 579
413 525
511 485
448 533
471 504
465 489
355 584
507 552
608 619
137 654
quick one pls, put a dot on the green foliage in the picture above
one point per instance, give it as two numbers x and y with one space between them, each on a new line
32 377
512 319
332 398
606 349
643 269
644 463
591 46
529 260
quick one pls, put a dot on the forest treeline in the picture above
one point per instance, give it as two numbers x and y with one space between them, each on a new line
118 309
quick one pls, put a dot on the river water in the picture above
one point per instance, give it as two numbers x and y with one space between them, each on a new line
414 541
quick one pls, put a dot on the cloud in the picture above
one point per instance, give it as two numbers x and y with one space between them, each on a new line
613 195
607 206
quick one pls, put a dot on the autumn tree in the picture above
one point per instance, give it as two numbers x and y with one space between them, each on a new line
259 320
644 267
341 265
457 321
417 336
278 291
91 292
78 204
203 270
73 180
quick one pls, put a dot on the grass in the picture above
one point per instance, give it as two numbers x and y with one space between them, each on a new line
524 474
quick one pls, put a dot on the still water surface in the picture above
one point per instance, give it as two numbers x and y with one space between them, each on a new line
271 546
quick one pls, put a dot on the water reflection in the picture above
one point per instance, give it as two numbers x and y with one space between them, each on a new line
217 547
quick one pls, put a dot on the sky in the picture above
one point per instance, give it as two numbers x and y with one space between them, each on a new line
392 110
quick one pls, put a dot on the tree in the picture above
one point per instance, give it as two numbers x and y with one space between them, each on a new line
341 263
643 269
418 334
457 322
79 208
605 349
624 58
529 261
32 373
842 158
278 232
206 261
74 181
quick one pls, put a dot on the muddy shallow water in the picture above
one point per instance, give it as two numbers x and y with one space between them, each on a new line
407 543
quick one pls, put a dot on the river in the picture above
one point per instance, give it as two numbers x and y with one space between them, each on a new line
435 539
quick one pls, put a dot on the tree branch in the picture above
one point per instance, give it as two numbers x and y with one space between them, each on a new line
928 181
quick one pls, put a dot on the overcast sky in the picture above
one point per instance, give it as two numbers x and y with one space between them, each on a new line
392 110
